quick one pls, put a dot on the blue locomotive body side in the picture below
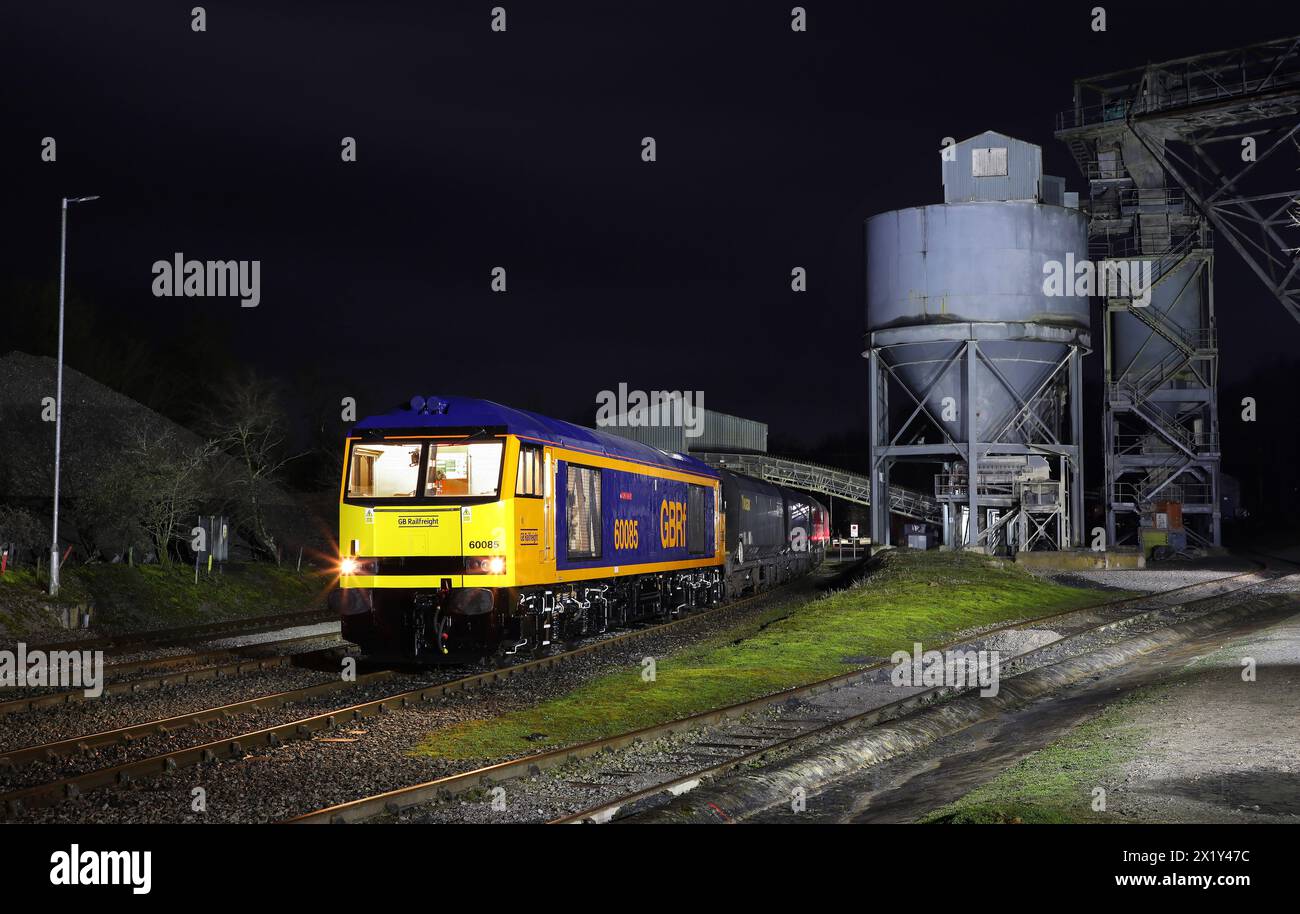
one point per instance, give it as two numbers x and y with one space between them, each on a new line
642 518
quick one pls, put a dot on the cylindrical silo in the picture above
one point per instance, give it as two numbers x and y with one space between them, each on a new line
935 271
961 316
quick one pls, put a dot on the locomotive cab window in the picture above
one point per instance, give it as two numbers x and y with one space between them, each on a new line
582 511
384 470
695 531
464 470
528 482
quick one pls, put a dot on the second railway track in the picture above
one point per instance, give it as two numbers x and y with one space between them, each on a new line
748 745
45 794
48 793
182 669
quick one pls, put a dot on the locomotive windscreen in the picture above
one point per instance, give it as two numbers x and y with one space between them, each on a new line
392 470
464 469
384 470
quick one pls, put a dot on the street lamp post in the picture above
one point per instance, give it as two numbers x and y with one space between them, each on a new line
58 393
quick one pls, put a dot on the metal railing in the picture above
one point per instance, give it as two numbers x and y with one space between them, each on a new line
949 486
1190 442
1187 493
1087 115
1028 493
1216 76
814 477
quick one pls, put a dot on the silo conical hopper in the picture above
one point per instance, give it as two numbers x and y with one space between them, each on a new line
941 274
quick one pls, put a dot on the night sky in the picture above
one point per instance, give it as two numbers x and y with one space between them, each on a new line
522 150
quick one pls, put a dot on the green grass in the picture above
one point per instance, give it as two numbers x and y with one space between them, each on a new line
1054 785
912 596
155 595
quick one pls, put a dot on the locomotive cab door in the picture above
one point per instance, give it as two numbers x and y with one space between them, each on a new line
548 502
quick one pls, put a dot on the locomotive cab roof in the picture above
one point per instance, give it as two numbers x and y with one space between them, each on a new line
470 416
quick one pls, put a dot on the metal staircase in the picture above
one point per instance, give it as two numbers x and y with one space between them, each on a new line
1164 149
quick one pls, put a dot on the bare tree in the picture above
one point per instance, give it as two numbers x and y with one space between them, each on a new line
165 481
247 422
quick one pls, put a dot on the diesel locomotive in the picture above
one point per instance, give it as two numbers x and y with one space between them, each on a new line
468 526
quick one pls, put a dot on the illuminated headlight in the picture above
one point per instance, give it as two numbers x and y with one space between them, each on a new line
488 564
348 565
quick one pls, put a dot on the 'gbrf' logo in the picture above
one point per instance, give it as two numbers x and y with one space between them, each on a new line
626 535
672 524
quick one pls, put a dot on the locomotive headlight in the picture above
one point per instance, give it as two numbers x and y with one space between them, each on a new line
348 565
487 564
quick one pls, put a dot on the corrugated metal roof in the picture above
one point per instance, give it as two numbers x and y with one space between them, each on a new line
1024 169
718 432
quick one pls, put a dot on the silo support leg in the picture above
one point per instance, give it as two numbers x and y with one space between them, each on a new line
972 452
1076 440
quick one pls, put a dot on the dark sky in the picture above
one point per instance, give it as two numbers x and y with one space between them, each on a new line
522 150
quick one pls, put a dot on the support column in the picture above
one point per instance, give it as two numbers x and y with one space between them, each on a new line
878 464
1108 493
1076 440
972 448
1216 518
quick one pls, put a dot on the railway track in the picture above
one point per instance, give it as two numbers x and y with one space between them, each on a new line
51 793
237 665
750 744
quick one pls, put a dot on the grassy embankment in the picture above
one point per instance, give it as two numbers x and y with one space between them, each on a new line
155 596
926 597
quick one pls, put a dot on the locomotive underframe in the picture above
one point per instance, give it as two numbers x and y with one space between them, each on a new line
427 625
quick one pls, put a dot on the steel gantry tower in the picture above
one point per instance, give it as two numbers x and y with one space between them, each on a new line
1177 153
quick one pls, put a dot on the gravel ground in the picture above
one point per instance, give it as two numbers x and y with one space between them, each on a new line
1214 747
356 759
370 756
1150 579
579 785
47 725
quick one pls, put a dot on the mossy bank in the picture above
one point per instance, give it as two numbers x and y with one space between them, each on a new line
906 597
121 597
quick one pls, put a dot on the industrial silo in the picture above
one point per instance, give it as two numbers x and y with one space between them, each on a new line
975 334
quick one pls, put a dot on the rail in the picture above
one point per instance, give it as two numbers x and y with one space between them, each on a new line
395 801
